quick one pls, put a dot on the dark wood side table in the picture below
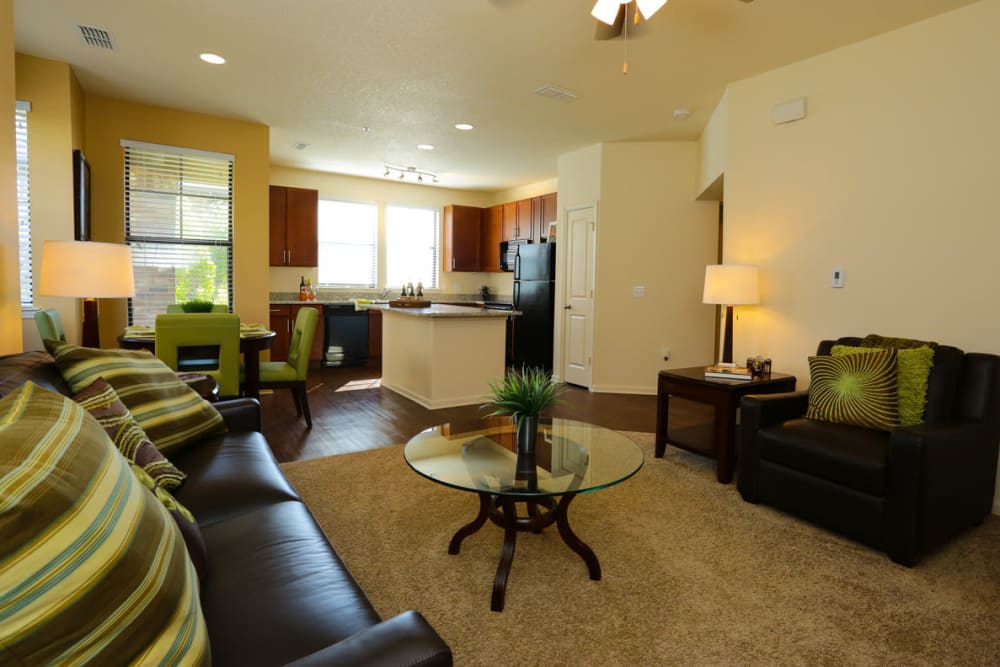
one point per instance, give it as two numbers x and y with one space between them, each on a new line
724 396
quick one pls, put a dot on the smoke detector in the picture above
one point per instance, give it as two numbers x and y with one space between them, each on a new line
98 37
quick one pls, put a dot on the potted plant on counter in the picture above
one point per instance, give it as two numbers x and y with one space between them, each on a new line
523 394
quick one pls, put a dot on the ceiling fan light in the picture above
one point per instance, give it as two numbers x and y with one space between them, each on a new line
650 7
606 11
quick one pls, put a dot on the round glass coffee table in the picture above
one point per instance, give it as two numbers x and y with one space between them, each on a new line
570 458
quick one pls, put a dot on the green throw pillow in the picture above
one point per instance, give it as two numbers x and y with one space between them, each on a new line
169 411
884 342
913 367
858 389
101 400
94 570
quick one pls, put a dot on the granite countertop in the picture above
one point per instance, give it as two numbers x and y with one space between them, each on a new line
444 310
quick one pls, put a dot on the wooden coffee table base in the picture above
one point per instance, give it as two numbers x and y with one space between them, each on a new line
502 510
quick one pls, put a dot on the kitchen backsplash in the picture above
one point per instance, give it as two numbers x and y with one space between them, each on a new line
342 295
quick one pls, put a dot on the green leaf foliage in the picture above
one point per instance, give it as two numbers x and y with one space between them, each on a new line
197 306
523 392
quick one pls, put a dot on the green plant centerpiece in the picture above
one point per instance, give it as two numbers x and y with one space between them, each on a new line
523 394
197 306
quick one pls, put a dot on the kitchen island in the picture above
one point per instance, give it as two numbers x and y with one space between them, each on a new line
442 356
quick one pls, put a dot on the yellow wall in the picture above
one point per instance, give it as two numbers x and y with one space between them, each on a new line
383 193
55 128
892 176
10 294
714 150
108 121
652 233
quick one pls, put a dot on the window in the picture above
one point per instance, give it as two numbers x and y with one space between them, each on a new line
347 244
23 204
179 224
411 246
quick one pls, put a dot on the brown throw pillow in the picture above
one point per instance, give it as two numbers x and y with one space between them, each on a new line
101 400
172 414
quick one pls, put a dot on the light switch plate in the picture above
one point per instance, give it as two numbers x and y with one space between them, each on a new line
638 291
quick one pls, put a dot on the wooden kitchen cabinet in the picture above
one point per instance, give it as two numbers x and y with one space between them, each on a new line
461 237
283 323
374 333
293 226
550 211
525 228
489 248
509 213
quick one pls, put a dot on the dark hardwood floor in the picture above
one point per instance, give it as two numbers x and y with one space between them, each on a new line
352 412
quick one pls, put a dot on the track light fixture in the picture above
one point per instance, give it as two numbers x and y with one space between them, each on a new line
418 174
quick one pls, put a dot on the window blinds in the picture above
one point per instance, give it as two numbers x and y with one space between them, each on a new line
23 204
179 224
411 246
347 235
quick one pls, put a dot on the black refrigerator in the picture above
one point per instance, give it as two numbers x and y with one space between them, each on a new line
535 297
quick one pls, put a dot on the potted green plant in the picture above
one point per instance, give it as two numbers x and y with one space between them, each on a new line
197 306
523 394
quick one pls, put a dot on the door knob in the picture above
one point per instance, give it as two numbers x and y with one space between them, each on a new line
567 307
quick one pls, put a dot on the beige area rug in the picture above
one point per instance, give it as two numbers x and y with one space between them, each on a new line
692 575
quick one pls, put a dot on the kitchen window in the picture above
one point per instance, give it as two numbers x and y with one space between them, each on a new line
347 234
411 246
23 204
179 224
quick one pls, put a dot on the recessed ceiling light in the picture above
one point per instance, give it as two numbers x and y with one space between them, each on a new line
301 146
212 58
425 147
464 126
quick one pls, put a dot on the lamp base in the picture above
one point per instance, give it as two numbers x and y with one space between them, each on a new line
727 337
91 326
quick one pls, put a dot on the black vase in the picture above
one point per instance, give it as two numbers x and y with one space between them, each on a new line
527 434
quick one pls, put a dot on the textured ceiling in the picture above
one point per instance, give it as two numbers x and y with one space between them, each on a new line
318 71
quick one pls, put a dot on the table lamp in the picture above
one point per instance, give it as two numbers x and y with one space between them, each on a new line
87 270
730 285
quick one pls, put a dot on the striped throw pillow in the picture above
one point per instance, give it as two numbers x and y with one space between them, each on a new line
170 412
859 389
94 569
101 400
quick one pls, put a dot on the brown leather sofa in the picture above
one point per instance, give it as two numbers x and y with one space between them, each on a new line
275 592
905 492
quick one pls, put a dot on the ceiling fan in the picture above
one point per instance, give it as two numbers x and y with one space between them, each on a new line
611 15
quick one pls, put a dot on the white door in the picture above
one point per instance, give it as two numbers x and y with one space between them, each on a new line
578 325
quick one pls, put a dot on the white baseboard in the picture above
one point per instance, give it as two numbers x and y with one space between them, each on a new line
623 389
437 404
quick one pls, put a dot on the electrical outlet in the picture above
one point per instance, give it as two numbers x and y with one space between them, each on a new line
639 291
837 279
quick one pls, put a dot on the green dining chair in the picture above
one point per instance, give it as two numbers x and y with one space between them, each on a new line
292 374
206 343
216 308
50 325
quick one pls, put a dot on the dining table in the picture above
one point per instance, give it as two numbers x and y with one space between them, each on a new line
253 341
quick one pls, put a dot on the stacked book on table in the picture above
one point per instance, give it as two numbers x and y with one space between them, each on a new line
727 373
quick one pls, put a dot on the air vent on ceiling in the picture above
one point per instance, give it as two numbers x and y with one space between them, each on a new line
556 93
99 37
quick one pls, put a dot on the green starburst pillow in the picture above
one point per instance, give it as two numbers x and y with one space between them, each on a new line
913 367
857 389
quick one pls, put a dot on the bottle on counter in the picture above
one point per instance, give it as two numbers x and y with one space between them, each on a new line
302 288
402 292
420 290
310 294
409 290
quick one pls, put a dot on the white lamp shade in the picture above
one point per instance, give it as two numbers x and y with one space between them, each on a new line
606 11
86 269
650 7
731 285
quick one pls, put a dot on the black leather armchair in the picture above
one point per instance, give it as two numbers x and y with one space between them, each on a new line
904 492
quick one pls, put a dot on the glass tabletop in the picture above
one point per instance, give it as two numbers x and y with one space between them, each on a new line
481 456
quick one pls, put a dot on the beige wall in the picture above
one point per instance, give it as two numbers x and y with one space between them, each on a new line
526 191
10 295
652 233
55 128
108 121
714 150
384 193
892 176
